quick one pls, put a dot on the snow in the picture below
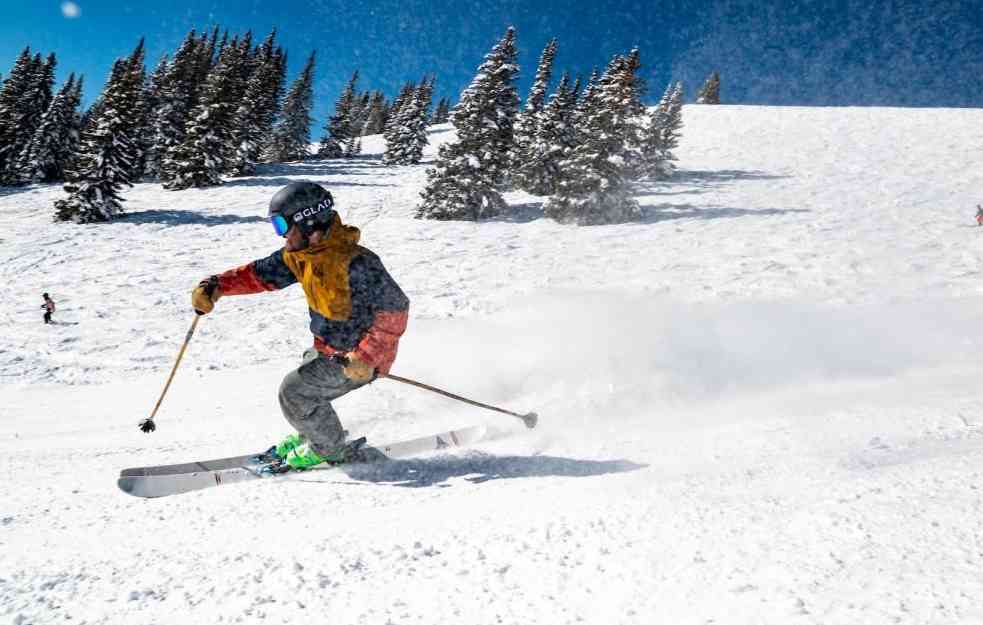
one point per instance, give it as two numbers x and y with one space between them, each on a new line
759 405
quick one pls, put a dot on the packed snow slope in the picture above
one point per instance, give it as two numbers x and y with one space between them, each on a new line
758 405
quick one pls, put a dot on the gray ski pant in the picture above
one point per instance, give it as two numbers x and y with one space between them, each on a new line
305 399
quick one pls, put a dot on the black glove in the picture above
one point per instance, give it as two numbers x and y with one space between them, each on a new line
147 426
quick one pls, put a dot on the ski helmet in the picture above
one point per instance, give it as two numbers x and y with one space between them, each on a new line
306 204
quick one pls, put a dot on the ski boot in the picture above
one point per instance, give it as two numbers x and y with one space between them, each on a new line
304 457
279 451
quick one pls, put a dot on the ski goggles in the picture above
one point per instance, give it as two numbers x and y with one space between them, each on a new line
280 224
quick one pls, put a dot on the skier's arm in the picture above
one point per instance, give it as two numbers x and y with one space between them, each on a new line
375 293
265 274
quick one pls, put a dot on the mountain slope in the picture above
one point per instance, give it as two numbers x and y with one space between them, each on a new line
759 405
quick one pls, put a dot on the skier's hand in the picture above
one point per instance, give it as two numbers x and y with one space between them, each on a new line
356 369
204 296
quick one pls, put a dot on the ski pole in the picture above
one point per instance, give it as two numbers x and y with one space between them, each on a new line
148 425
530 418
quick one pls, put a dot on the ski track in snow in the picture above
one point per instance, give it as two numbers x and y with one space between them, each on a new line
757 406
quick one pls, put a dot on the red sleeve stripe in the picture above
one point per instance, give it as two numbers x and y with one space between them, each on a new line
242 281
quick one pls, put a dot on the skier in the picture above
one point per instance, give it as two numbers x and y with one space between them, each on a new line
979 215
48 306
357 312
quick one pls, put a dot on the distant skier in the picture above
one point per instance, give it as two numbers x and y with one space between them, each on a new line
48 306
979 215
357 311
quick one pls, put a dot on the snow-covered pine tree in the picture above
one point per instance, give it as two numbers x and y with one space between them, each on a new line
408 134
709 93
18 82
44 158
404 97
576 90
584 97
635 130
674 122
422 101
203 155
207 51
653 148
442 114
555 136
258 108
74 136
38 98
464 183
595 184
245 62
153 98
137 120
360 111
376 120
338 129
29 110
107 151
527 121
291 137
177 100
361 114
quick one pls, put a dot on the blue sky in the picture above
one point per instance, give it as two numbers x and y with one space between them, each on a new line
809 52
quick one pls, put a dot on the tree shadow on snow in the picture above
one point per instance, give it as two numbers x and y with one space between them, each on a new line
362 165
521 213
698 176
700 181
479 468
665 212
256 181
184 217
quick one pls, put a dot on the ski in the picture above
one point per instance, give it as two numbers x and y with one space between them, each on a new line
174 479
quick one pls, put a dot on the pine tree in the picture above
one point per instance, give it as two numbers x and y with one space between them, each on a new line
153 99
291 137
443 112
206 55
258 108
136 118
674 121
376 120
595 185
555 137
402 99
28 111
408 135
420 120
39 96
44 159
361 114
207 147
709 93
177 100
18 82
338 130
105 158
464 183
662 133
526 124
